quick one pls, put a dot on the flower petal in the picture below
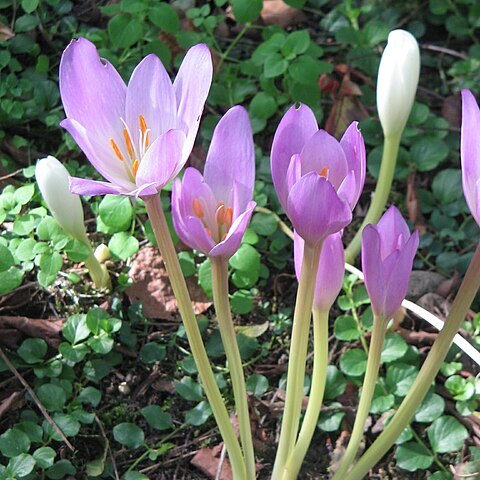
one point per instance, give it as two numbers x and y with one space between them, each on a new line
315 209
322 151
372 268
231 157
470 150
93 94
84 186
191 90
393 231
150 94
295 128
161 160
232 241
98 153
354 147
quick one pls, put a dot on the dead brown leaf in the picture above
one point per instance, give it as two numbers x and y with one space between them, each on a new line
12 328
151 286
207 460
5 32
14 401
277 12
413 205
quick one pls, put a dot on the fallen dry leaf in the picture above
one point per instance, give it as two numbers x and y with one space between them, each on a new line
151 286
207 460
277 12
413 205
12 328
14 401
5 32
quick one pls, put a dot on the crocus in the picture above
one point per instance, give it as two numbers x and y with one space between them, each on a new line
331 269
397 81
138 137
66 208
318 180
388 251
211 212
470 153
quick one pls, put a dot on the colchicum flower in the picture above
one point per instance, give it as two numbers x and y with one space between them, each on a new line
138 137
318 180
397 81
470 153
52 179
388 251
211 213
331 269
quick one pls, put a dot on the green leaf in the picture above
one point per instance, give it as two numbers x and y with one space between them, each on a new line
257 384
381 401
246 10
346 328
157 418
44 457
29 6
50 263
52 397
76 329
296 43
129 434
187 263
77 251
241 302
400 377
431 408
263 105
152 352
21 465
306 70
330 421
246 258
394 347
24 194
96 369
446 185
10 280
124 31
428 152
353 362
188 389
32 350
24 252
122 245
14 442
447 434
116 212
274 66
48 228
264 224
90 395
412 456
6 258
335 383
199 414
247 346
164 17
205 277
60 470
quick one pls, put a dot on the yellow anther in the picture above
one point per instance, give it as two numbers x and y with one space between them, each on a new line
324 172
143 123
128 142
197 208
135 166
117 151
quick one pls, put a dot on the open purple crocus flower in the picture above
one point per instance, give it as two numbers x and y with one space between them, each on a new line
138 137
470 153
388 251
331 269
211 213
318 179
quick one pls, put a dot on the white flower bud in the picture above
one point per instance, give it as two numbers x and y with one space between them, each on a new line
66 208
397 81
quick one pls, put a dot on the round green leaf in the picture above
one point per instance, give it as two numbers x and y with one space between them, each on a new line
6 258
431 408
263 106
124 31
412 456
447 434
50 263
274 66
394 348
44 457
199 414
116 212
129 434
446 185
353 362
188 389
346 328
122 245
32 350
246 10
52 397
10 280
164 17
25 251
60 470
335 384
21 465
257 384
241 302
14 442
152 352
246 258
157 418
330 421
428 152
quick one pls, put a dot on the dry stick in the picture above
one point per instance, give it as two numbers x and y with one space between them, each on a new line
36 400
110 453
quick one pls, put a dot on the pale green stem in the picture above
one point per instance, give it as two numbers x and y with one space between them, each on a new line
315 400
229 339
177 280
297 359
382 190
97 272
369 382
429 370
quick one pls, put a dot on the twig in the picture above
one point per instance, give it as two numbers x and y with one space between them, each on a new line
112 458
48 418
447 51
10 175
221 460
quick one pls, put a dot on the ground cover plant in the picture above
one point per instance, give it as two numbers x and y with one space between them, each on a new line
98 377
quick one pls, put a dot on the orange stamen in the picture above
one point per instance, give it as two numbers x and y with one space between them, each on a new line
228 216
324 172
117 151
197 208
209 232
220 214
143 123
135 166
128 142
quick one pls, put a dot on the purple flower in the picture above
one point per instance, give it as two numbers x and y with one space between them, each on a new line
470 153
318 179
211 213
138 137
331 269
388 251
